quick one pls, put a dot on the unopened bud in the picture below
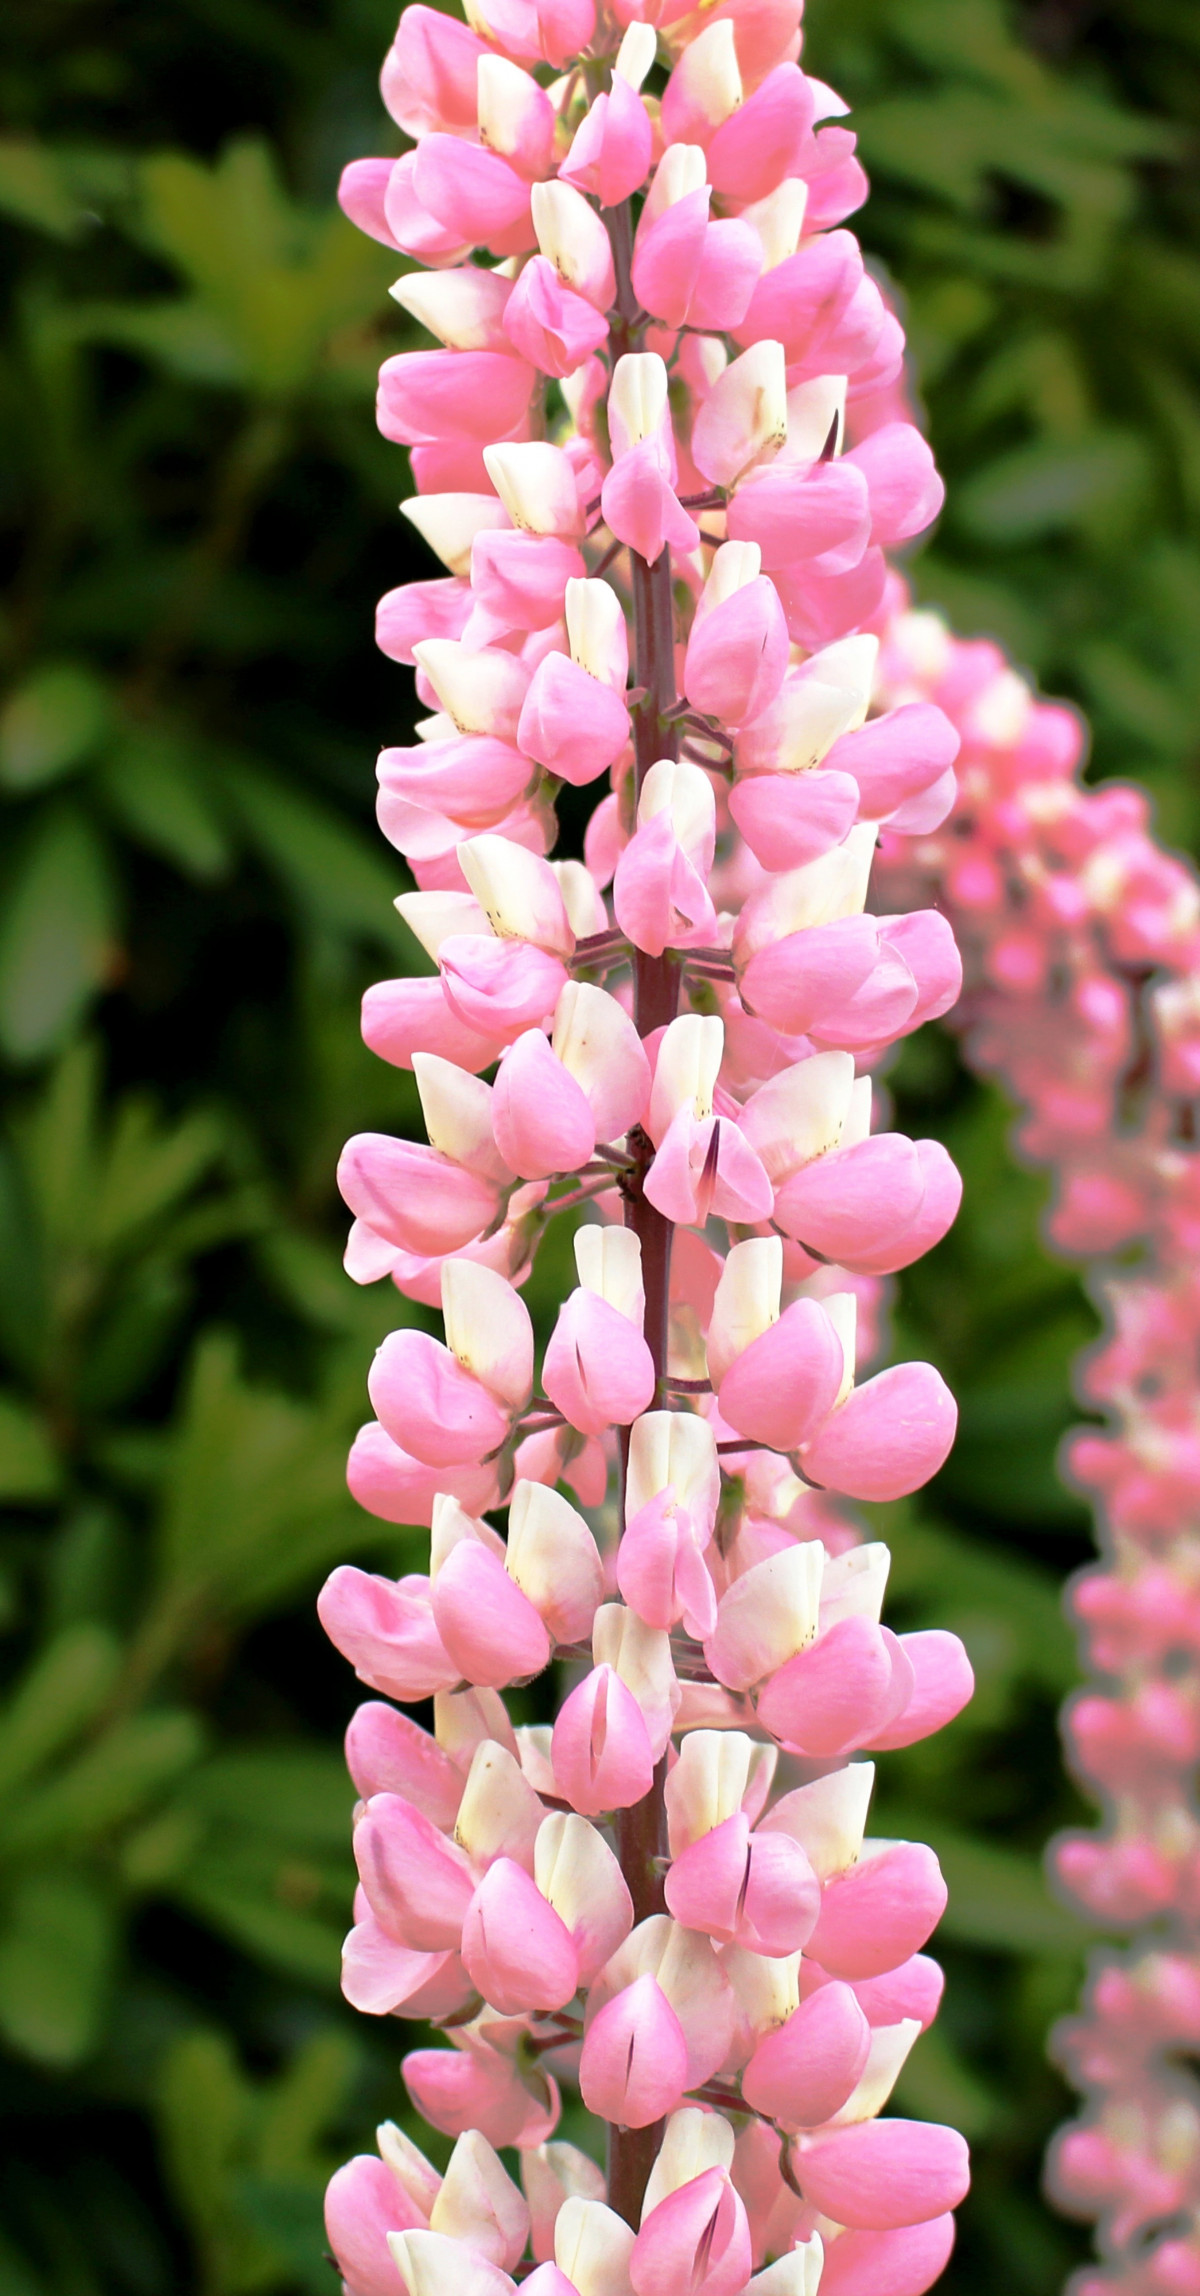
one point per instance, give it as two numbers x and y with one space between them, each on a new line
488 1329
685 1075
536 484
637 399
518 892
449 523
746 1302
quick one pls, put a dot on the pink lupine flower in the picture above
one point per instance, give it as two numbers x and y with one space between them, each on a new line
363 2203
611 150
491 1630
598 1369
514 1947
479 395
687 270
753 1890
883 2174
477 2084
676 1033
634 2066
659 893
549 324
804 2071
601 1750
737 652
901 2263
698 2236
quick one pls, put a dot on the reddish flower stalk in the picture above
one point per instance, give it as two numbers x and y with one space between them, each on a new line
667 1895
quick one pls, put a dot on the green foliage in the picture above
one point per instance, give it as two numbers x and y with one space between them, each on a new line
199 518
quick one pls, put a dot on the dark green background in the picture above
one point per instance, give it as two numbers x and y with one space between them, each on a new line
197 518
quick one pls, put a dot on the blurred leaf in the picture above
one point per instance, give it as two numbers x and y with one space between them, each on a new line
271 1865
248 2169
204 2114
29 1468
56 934
50 725
57 1948
256 1498
244 1907
148 1168
300 1793
32 189
156 788
130 1765
336 877
1095 482
272 282
62 1691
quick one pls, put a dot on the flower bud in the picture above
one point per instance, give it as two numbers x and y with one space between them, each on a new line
479 2204
601 1747
499 1813
883 2174
552 2174
482 692
571 235
634 2064
518 893
463 308
718 1772
431 2264
693 2142
578 1874
515 1948
766 1616
743 421
698 2238
800 2074
593 2245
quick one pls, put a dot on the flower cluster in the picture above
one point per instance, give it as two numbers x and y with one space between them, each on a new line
654 455
1081 940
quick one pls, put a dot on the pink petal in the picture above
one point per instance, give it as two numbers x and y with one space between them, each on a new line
489 1628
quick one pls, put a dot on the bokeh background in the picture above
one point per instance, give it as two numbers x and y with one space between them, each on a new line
197 517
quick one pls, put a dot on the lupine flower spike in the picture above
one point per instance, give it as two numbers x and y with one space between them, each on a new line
655 454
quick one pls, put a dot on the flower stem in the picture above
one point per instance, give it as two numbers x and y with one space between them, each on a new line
641 1831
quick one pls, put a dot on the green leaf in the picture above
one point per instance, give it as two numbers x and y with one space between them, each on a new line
205 2112
63 1690
304 2100
50 725
299 1944
1088 485
256 1497
288 2215
271 1865
56 934
131 1765
336 877
300 1793
57 1950
149 1168
273 285
29 1466
156 788
33 190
